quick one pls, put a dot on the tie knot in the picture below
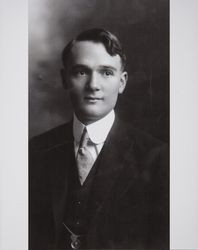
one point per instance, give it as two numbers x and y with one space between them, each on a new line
84 139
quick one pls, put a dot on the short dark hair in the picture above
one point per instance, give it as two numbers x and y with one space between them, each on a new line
97 35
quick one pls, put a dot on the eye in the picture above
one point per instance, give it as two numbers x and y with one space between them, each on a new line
108 72
81 72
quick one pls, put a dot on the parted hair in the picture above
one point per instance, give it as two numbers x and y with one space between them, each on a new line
97 35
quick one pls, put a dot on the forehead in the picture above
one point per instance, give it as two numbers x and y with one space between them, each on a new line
93 53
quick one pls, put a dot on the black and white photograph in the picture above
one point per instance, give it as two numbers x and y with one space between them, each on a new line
99 124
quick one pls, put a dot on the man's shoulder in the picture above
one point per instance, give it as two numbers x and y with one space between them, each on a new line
150 153
52 138
143 141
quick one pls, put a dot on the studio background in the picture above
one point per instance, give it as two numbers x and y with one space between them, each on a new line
143 28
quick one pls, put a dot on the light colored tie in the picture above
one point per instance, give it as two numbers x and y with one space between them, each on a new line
84 158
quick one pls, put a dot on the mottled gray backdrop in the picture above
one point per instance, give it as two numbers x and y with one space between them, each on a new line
143 28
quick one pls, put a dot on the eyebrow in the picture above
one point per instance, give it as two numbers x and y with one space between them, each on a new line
108 67
79 66
76 66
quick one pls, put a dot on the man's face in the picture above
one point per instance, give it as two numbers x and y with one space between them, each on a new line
94 79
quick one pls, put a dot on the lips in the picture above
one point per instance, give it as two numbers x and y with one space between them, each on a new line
92 98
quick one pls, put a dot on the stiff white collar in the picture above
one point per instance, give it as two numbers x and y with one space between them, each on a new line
97 131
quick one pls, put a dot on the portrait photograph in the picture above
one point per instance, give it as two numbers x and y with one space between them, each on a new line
98 124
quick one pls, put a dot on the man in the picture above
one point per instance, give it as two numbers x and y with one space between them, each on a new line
96 182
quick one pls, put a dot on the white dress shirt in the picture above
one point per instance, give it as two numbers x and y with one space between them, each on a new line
97 132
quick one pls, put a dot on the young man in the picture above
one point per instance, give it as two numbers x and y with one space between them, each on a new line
96 182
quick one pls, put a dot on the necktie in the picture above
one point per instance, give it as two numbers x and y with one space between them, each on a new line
84 158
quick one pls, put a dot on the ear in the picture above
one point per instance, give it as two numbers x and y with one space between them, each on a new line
63 74
123 81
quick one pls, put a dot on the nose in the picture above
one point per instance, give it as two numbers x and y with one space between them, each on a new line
93 82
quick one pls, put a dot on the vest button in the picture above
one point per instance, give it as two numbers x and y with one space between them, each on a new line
78 223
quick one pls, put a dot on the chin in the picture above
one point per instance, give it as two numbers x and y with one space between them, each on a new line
90 116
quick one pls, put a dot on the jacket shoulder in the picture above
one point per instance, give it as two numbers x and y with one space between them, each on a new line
51 138
144 142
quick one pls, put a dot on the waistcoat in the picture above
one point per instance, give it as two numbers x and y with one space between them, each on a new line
78 208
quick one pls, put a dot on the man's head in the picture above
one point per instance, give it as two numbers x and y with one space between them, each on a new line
94 65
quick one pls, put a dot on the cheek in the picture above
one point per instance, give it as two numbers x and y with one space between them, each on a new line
76 83
75 95
76 92
112 90
76 87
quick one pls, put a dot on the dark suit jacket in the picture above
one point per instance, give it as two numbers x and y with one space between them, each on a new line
130 193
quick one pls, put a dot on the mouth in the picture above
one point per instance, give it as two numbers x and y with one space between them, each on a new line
92 99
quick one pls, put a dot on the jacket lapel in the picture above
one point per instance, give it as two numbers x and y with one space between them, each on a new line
117 158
